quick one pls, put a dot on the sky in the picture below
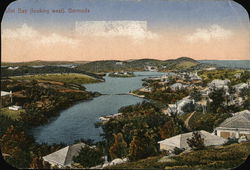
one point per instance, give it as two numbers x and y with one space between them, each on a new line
89 30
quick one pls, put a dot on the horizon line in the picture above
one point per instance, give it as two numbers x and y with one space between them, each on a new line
122 60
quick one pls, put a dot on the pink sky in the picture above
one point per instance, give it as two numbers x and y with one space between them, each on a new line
127 40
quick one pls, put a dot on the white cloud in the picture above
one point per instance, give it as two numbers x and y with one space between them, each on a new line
136 30
26 32
56 38
214 32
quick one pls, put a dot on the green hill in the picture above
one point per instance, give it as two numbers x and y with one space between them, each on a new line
138 65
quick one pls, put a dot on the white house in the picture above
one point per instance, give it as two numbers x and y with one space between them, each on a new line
178 106
180 141
119 63
14 107
210 68
12 68
236 126
177 86
217 83
194 76
240 86
6 98
64 157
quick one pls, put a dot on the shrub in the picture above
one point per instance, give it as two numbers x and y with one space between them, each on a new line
196 142
177 151
89 157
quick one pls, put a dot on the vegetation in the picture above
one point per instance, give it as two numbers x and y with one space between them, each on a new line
196 142
13 114
196 95
89 156
223 74
218 157
19 147
138 65
65 78
207 121
26 70
40 100
136 132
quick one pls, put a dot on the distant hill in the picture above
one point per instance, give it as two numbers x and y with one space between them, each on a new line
181 63
138 65
27 70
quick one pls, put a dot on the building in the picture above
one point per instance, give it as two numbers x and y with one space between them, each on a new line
177 86
210 68
14 107
119 63
6 98
12 68
179 105
64 157
236 126
239 87
217 83
180 141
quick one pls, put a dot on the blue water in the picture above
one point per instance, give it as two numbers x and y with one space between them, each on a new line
229 63
78 121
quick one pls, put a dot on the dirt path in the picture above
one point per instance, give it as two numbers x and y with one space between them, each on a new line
187 121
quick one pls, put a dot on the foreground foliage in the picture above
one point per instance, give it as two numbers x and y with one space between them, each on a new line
228 156
89 157
136 132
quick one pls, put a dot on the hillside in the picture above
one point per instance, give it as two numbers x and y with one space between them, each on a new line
26 70
138 65
101 66
218 157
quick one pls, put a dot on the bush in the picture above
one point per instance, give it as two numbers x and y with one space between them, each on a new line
196 142
231 141
89 157
177 151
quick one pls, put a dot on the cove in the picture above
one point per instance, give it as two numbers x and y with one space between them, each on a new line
77 122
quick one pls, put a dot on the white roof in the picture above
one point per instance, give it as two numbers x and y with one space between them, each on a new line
219 82
65 155
180 141
241 85
239 120
5 93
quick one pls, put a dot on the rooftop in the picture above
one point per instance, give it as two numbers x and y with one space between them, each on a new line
64 156
5 93
239 120
180 141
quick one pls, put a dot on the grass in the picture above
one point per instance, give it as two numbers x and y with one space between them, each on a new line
65 78
183 117
13 114
218 157
208 76
185 64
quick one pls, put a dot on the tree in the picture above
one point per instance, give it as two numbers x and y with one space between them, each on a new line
16 143
141 147
196 142
218 97
119 149
196 95
38 163
246 104
245 93
169 129
245 76
89 157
